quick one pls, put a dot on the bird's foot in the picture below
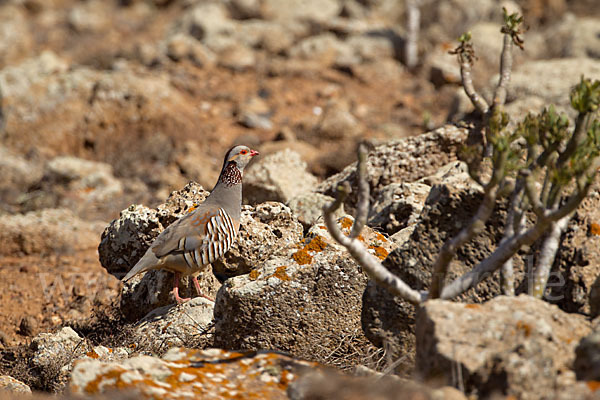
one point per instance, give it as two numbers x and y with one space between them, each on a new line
178 299
197 286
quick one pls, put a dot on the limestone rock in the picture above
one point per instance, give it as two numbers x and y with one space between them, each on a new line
397 206
47 231
12 385
519 346
405 160
587 356
186 325
308 207
551 80
306 301
265 230
277 177
211 373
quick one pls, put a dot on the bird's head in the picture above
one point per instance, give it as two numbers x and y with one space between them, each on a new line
240 155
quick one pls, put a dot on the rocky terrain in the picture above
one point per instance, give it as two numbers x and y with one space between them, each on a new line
114 118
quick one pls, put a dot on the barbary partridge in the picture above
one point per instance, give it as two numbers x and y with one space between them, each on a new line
200 237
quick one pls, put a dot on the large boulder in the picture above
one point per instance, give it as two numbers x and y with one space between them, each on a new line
185 373
401 161
277 177
450 204
265 230
306 301
518 346
47 231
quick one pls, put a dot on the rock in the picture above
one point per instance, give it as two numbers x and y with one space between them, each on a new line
305 10
518 346
265 230
47 231
182 46
573 37
308 207
443 68
77 184
12 385
306 301
206 20
186 325
574 283
325 48
449 205
211 373
337 124
89 17
405 160
397 206
551 80
452 18
277 177
54 354
16 39
18 174
329 384
271 36
237 57
587 357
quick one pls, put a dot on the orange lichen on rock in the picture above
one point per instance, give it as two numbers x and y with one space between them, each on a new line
380 252
595 229
593 385
253 275
473 306
302 257
346 223
316 245
281 274
207 374
522 326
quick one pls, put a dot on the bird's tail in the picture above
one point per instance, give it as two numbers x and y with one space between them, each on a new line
146 263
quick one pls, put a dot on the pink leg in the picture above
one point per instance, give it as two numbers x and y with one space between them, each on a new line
178 299
197 285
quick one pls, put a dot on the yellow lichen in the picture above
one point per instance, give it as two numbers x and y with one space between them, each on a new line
253 275
346 223
281 274
380 252
522 326
593 385
317 244
302 257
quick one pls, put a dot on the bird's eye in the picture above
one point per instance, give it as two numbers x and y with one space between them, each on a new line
244 152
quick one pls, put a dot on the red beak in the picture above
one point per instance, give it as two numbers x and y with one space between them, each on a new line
254 153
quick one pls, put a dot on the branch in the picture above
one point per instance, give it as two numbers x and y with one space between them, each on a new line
514 221
486 267
479 102
413 17
547 255
466 56
506 61
362 206
368 262
475 226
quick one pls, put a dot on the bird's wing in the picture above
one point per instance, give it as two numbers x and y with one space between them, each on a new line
201 229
